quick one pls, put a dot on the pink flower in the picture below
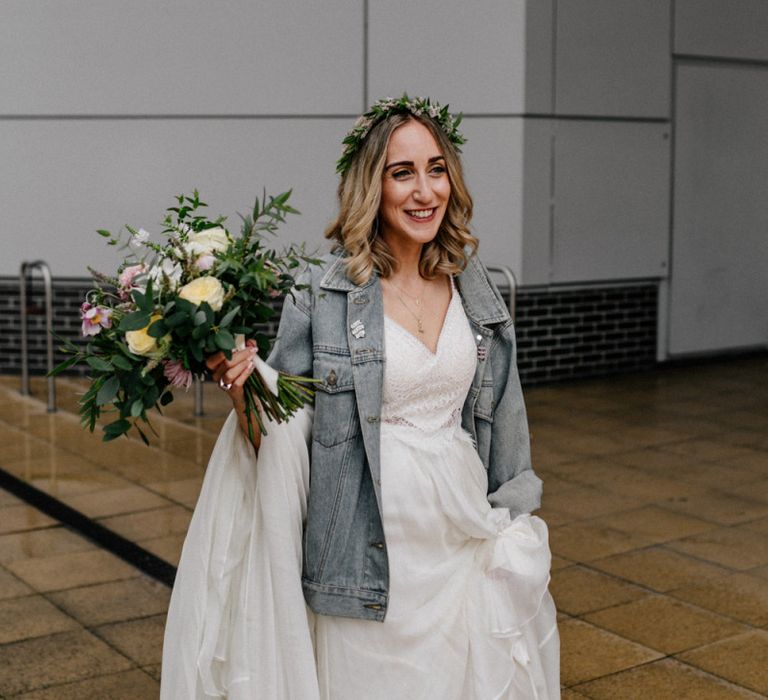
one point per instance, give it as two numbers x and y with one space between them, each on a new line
205 262
176 374
94 318
126 280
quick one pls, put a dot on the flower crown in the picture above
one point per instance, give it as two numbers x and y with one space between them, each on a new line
418 106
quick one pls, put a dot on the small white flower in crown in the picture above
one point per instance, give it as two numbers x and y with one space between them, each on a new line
358 329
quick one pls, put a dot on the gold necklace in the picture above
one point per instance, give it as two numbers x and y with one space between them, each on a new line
415 300
418 317
419 323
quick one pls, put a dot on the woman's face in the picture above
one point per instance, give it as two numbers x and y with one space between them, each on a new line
415 187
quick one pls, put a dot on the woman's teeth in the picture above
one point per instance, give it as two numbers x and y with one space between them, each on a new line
421 213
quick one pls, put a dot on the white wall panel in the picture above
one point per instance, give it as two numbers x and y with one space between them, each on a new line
180 57
467 54
719 284
62 180
493 161
611 217
613 57
722 28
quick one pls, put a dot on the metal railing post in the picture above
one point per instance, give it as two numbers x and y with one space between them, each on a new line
25 273
511 281
199 397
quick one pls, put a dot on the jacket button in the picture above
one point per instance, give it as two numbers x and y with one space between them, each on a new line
378 545
331 379
374 606
373 419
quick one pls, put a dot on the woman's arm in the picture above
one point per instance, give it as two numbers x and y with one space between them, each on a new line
512 481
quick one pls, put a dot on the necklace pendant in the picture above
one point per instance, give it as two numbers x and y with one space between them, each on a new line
421 327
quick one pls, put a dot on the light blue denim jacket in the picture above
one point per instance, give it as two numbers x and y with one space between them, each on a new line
345 553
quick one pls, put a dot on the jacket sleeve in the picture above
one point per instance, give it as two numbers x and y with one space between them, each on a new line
292 351
512 482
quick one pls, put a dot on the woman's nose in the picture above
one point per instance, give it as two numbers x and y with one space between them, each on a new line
423 189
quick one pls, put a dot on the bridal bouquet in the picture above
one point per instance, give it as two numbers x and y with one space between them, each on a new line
172 303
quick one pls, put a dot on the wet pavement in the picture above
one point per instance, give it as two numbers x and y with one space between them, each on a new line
656 496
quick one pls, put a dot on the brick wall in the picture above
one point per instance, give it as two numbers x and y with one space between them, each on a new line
561 334
585 332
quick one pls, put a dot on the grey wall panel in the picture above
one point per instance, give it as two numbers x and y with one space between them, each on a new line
539 56
181 57
719 283
472 56
493 161
62 180
537 200
613 57
722 28
611 216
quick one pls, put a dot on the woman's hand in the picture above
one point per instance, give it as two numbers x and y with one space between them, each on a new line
235 372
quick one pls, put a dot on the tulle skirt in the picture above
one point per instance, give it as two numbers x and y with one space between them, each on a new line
469 618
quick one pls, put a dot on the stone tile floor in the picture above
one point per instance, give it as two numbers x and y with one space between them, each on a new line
656 495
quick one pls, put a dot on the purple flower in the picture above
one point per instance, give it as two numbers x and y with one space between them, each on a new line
95 318
176 374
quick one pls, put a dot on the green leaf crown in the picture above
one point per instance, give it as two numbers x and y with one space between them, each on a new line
418 106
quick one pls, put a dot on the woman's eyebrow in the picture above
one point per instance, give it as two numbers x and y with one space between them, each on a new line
433 159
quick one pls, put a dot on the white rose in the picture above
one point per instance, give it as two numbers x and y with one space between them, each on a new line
204 289
140 342
212 240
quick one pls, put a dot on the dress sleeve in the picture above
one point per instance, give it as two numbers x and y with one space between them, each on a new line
292 351
511 481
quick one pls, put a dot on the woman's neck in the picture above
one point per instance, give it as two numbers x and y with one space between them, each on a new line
408 258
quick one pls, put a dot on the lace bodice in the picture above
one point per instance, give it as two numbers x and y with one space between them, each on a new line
422 389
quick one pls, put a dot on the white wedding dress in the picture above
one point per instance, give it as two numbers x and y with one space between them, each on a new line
469 616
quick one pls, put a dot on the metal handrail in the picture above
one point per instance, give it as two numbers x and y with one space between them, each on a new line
511 281
25 273
199 397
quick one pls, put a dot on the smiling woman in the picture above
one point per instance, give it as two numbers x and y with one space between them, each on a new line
425 573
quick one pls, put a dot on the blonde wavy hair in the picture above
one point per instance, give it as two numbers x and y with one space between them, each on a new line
355 229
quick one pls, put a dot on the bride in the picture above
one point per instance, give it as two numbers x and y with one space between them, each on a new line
379 545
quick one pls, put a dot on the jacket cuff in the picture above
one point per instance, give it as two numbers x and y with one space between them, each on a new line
521 494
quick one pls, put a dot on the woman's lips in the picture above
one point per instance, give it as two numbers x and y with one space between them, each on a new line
419 214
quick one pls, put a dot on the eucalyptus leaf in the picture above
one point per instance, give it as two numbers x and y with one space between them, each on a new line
229 317
108 391
135 321
224 340
158 329
121 362
99 364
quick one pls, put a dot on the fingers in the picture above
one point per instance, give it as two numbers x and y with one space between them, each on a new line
231 370
212 361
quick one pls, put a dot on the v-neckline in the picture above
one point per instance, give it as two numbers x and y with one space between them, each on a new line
436 351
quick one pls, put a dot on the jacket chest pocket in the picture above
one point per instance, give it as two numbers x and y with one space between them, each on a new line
484 403
336 417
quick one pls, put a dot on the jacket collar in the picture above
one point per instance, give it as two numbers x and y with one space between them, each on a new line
481 302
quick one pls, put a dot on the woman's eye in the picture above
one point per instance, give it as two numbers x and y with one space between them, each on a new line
438 170
401 174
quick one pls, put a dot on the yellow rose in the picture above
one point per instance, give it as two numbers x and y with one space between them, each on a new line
207 289
140 342
209 241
